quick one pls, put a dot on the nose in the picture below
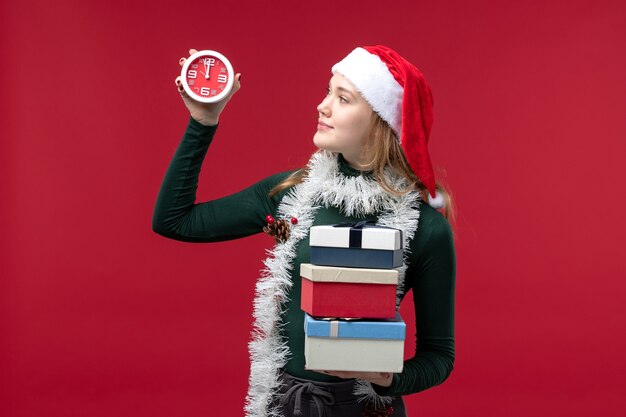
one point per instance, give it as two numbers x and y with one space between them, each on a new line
324 107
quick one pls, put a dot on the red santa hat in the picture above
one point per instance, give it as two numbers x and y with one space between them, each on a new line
398 92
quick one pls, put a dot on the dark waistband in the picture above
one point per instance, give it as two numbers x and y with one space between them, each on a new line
315 395
342 390
322 396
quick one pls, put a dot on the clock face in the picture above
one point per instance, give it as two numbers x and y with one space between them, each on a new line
207 76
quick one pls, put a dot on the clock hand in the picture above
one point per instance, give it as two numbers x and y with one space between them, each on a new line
207 67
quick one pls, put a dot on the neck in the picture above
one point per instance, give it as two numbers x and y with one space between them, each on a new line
357 162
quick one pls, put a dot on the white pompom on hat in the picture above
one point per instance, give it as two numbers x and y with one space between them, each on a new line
438 201
397 91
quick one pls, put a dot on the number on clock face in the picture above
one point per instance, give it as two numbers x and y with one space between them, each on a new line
207 76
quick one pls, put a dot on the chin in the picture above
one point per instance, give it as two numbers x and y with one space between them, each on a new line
323 142
318 141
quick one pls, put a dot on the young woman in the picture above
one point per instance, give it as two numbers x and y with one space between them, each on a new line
372 164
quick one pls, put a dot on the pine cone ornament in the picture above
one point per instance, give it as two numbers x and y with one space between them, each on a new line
280 228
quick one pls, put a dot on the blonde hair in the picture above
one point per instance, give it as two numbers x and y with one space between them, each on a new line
384 151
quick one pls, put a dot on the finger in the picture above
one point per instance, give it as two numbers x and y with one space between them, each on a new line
182 61
236 84
179 85
192 51
323 372
338 374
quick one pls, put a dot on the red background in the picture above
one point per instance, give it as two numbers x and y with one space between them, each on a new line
99 316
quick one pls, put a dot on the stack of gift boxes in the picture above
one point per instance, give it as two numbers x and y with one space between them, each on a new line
349 299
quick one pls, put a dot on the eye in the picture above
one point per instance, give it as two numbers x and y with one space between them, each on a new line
343 99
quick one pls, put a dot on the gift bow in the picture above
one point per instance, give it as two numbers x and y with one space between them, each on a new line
356 229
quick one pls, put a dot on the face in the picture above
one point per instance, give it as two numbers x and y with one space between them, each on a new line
344 120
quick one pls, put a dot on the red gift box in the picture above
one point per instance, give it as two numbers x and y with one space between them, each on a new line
329 291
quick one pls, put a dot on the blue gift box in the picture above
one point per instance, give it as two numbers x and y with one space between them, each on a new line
359 345
394 329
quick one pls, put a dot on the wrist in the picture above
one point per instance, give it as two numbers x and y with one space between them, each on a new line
390 389
196 128
384 380
206 120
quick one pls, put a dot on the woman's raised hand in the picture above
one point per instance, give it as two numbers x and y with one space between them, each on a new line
205 113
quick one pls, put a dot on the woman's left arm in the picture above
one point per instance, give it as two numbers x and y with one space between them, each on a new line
431 276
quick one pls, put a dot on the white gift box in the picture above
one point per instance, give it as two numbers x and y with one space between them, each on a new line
368 237
359 345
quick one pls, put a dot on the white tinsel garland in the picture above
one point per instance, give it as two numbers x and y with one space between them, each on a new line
324 186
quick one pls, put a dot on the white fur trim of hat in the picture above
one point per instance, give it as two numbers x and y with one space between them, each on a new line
372 79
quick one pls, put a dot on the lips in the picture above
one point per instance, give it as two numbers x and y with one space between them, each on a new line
323 126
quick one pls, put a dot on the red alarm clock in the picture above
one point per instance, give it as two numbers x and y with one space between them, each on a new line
207 76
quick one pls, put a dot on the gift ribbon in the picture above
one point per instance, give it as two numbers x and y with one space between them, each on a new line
334 329
356 231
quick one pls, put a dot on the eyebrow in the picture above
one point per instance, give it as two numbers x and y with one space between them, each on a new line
343 89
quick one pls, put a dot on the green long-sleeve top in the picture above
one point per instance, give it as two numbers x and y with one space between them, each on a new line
430 273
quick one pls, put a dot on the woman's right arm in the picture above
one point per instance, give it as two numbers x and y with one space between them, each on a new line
177 216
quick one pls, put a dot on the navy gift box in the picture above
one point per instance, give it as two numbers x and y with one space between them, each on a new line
359 245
